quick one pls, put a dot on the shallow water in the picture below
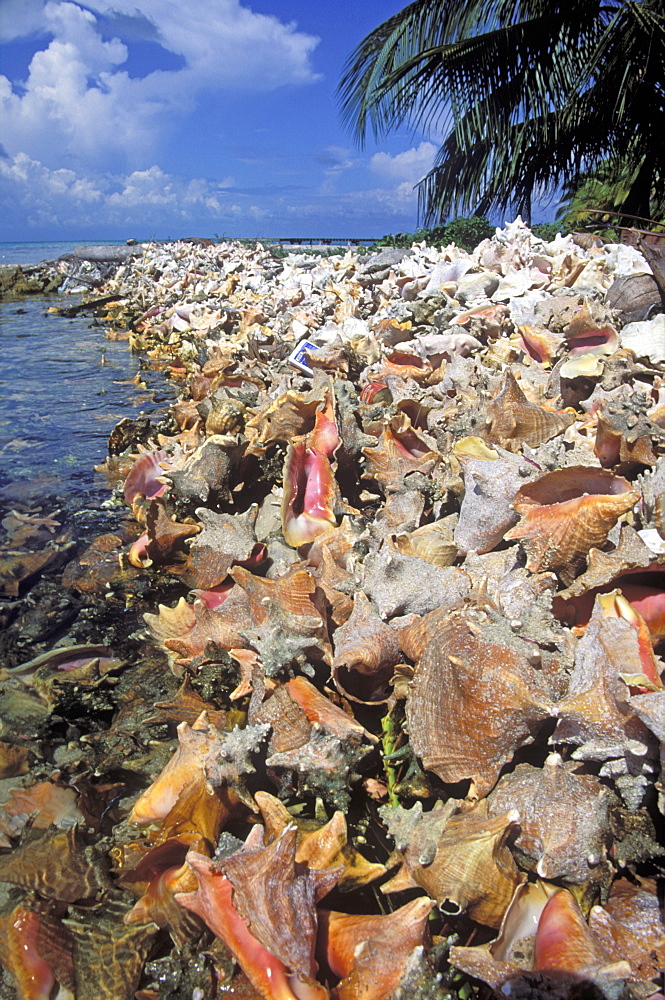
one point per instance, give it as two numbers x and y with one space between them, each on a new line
63 387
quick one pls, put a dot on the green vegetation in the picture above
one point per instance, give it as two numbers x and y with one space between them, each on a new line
528 95
597 200
548 230
466 233
463 232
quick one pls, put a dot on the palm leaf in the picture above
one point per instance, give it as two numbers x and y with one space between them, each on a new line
527 94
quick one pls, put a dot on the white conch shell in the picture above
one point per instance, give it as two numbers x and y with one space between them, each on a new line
647 339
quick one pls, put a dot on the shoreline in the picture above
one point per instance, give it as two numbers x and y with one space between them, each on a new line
320 544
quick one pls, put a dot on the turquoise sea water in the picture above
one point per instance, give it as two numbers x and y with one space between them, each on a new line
63 387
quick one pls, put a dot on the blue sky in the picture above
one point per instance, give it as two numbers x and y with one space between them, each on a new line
166 118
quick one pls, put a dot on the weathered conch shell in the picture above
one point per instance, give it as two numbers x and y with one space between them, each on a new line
566 513
513 421
490 484
596 713
366 650
474 700
432 542
564 818
626 434
462 860
58 866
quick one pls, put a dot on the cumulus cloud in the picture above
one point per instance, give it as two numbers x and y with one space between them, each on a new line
32 194
404 168
79 100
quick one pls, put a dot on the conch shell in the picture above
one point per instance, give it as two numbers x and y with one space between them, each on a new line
370 952
545 948
462 861
566 513
491 481
263 906
564 818
310 489
513 421
366 650
474 700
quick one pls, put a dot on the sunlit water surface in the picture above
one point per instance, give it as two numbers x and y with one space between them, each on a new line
63 387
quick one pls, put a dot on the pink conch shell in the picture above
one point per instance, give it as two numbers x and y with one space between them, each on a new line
138 553
319 846
564 942
310 489
56 866
41 805
539 343
224 540
646 677
213 902
145 476
545 948
262 905
400 584
321 711
626 434
596 711
584 336
504 958
36 950
290 414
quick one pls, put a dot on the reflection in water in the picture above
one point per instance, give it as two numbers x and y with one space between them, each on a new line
63 387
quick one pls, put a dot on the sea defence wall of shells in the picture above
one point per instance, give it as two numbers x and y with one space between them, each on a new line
388 718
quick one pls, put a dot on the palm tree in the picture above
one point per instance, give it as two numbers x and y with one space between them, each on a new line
598 198
523 95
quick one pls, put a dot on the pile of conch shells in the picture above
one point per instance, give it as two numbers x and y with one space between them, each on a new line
416 596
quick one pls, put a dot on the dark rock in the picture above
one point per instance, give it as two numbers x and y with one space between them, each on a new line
128 433
15 282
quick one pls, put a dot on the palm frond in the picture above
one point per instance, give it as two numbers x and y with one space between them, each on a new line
527 93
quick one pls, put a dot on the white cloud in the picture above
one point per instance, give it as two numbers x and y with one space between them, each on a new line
404 168
79 101
35 195
28 175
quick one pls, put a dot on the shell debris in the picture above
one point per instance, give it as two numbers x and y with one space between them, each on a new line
384 617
